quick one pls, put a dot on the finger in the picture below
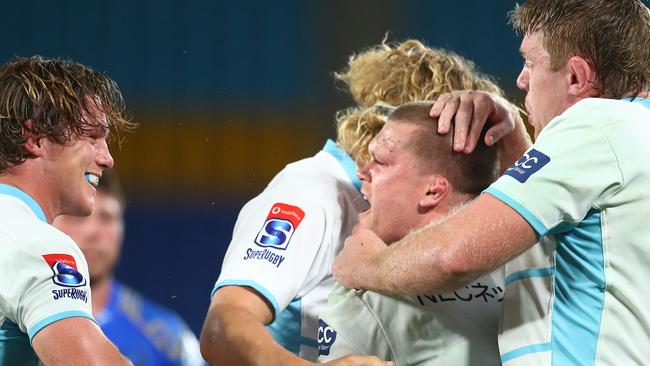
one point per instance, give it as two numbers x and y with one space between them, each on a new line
437 110
439 105
447 115
494 134
481 112
463 121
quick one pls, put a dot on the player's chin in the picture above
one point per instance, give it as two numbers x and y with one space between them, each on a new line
364 220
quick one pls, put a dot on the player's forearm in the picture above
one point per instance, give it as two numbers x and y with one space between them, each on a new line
416 265
232 336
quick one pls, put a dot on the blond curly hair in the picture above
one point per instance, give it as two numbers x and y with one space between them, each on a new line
394 74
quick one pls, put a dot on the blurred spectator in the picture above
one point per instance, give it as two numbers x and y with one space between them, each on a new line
145 332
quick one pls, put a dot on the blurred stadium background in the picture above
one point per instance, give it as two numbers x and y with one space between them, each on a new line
226 93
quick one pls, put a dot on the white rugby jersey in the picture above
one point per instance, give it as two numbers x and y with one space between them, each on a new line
43 276
456 328
285 240
577 297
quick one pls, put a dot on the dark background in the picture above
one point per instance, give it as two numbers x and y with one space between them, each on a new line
226 94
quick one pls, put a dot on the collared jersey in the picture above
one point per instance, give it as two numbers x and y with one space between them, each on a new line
456 328
285 240
43 276
147 333
577 297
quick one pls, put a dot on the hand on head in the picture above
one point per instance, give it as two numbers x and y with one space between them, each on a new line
470 111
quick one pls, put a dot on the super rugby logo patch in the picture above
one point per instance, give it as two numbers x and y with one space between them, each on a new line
65 270
281 222
527 165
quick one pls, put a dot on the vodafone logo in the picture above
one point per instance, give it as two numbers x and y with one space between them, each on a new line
280 224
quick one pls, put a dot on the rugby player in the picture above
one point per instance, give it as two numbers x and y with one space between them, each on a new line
277 271
145 332
575 298
55 117
414 178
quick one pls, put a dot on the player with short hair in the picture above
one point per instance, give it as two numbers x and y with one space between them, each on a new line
145 332
55 117
413 178
277 270
574 298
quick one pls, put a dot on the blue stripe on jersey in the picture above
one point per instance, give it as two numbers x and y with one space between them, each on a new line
345 160
644 101
309 342
529 273
287 327
526 350
27 199
254 285
14 346
55 318
579 293
533 221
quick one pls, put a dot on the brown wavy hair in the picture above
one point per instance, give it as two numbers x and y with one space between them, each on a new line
54 95
394 74
613 35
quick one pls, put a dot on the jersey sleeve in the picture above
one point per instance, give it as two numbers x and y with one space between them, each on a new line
569 170
49 285
275 242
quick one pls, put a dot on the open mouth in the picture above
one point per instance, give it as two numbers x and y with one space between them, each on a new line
92 179
366 203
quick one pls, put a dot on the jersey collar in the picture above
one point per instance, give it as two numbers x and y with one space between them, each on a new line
27 199
644 101
345 160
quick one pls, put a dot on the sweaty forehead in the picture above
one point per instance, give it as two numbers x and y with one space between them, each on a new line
385 141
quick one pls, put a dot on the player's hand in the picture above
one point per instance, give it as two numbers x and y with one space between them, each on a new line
472 111
353 266
351 360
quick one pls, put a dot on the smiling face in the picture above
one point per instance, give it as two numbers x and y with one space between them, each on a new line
72 169
393 184
546 90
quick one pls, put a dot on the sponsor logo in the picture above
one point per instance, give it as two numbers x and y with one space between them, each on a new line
279 226
70 293
527 165
65 270
326 338
266 255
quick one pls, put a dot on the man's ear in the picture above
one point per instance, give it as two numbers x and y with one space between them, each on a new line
583 77
437 191
33 145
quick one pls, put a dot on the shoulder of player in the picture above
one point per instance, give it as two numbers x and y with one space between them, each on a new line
37 236
597 113
321 170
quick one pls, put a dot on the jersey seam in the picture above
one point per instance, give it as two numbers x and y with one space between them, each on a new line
381 327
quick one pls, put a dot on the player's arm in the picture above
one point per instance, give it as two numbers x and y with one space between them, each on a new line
234 333
75 341
236 325
478 239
